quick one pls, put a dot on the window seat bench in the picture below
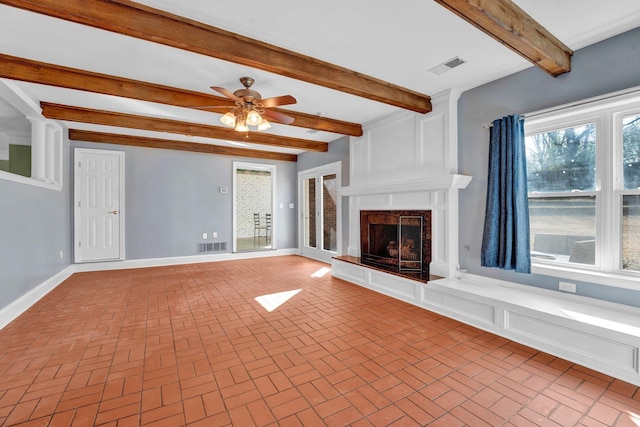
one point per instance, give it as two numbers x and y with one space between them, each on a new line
600 335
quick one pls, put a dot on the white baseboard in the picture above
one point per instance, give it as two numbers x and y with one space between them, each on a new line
600 335
22 304
159 262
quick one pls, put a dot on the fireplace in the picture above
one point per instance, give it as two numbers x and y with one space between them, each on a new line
397 240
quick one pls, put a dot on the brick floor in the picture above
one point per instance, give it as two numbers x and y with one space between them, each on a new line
191 346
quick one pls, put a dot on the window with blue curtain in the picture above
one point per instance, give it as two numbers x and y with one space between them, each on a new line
505 240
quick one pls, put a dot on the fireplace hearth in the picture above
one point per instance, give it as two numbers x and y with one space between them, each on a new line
397 240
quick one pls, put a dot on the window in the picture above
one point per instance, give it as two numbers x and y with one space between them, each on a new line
583 168
561 169
631 192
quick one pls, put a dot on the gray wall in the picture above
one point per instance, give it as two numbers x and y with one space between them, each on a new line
34 228
609 66
338 151
172 197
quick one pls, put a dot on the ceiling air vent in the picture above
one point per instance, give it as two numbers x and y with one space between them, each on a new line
447 65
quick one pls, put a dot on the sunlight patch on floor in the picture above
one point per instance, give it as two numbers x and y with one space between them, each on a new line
634 418
272 301
321 272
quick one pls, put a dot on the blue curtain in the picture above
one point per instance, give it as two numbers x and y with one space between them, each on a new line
505 240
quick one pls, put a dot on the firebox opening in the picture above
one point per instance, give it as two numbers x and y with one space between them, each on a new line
397 240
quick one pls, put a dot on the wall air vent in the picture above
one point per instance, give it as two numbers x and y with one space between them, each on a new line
212 247
447 65
205 247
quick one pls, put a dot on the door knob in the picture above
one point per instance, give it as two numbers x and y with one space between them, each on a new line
113 212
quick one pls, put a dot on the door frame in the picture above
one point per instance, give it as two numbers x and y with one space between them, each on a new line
259 167
318 172
77 220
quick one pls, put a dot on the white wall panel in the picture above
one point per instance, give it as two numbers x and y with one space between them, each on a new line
576 338
465 307
432 144
359 158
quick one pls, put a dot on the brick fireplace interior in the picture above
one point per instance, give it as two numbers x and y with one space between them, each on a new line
398 241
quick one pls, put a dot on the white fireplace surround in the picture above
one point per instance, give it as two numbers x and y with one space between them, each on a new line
409 161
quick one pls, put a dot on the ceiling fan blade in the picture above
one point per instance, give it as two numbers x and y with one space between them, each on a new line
211 107
278 117
278 100
226 93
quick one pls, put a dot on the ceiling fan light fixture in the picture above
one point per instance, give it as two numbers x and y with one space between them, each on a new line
254 118
250 107
241 126
264 125
229 119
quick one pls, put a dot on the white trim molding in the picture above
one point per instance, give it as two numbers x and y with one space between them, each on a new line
161 262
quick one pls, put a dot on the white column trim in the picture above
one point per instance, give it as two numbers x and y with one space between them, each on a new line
50 153
38 148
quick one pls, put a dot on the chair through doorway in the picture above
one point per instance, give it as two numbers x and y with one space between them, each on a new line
258 228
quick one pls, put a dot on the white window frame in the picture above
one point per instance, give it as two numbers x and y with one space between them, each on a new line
607 113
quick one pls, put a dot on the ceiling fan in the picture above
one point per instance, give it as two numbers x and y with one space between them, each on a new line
251 109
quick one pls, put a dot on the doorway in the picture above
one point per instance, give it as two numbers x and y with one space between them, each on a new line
98 205
320 225
253 207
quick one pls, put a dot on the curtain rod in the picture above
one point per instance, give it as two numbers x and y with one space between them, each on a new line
634 90
490 125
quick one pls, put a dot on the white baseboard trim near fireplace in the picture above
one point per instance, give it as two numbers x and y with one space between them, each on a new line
597 334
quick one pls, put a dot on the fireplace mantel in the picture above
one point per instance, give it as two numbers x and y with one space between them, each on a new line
444 182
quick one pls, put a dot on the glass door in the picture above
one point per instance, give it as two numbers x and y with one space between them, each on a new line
320 204
309 212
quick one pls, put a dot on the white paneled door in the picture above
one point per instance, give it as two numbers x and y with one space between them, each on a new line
99 205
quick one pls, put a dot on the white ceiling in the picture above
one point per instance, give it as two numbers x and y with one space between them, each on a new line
396 42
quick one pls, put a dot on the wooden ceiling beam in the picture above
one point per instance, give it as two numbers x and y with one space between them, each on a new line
136 20
507 23
168 144
15 68
109 118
